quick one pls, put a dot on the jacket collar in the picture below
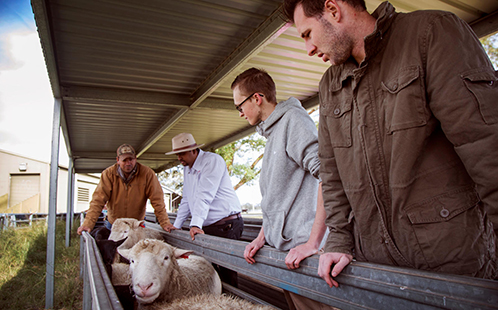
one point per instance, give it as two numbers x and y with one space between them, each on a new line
133 173
374 42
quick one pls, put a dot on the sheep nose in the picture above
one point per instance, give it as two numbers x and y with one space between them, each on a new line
145 288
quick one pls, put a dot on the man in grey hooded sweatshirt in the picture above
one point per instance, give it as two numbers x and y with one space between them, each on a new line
292 204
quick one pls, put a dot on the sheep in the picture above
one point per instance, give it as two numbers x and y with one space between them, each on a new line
207 302
120 274
133 229
100 233
157 273
108 251
121 281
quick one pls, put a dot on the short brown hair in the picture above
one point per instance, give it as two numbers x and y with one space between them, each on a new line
256 80
313 8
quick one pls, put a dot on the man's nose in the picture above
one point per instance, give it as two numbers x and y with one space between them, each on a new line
310 48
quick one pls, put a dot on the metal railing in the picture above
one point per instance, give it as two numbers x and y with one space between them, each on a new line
98 292
362 285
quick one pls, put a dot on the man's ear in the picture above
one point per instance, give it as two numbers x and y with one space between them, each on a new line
332 8
260 99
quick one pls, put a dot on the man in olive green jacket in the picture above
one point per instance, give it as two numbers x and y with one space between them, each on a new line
124 188
408 138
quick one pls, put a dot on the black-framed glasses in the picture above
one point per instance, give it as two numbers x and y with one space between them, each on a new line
239 107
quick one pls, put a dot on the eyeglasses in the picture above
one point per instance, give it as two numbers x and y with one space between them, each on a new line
239 107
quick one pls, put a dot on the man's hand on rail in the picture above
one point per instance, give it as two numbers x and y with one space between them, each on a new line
340 260
194 230
252 248
297 254
83 228
169 227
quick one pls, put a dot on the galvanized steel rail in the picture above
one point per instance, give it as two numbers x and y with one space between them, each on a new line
98 292
362 285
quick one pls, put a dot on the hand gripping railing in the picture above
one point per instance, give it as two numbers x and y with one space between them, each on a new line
361 285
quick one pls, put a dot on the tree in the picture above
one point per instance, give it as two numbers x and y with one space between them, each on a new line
490 44
241 157
172 178
249 150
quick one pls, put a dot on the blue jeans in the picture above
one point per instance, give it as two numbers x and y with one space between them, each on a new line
107 224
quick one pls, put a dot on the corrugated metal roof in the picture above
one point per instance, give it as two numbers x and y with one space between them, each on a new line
140 72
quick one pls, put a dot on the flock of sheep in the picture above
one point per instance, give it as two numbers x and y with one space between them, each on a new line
148 273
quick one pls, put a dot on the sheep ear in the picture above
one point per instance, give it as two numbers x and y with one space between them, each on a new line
138 223
120 242
179 253
125 253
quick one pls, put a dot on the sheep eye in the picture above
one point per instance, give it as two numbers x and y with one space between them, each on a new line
166 257
132 261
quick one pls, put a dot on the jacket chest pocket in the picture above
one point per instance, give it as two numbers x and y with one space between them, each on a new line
338 117
404 100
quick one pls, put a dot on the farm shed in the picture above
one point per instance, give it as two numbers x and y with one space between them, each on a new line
24 186
141 72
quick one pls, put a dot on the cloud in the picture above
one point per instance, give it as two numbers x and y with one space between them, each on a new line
26 101
16 17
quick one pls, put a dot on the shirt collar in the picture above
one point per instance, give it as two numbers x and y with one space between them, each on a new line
198 162
130 177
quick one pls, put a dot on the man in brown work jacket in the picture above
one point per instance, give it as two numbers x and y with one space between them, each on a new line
408 138
124 188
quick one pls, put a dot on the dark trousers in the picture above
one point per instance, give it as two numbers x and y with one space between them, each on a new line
230 229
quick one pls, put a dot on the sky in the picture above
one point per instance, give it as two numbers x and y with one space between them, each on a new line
26 99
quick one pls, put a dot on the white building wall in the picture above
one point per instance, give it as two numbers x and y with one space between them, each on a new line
10 164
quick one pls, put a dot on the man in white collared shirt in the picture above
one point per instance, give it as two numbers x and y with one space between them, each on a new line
208 195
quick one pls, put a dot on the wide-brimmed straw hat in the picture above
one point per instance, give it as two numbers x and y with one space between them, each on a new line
183 142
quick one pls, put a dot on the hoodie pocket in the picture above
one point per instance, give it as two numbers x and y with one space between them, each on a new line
275 236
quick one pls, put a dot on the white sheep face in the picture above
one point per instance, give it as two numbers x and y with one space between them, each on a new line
121 228
151 265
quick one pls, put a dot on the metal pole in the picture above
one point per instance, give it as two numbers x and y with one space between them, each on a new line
52 205
69 213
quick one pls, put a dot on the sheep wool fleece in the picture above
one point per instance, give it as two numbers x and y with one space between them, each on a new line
127 200
289 175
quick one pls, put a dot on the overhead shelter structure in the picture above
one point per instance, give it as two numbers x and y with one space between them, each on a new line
140 72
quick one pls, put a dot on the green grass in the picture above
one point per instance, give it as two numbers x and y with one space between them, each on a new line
23 268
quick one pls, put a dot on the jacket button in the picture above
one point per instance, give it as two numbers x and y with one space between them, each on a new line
337 111
444 213
491 83
395 86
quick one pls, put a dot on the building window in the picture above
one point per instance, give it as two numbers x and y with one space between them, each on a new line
83 194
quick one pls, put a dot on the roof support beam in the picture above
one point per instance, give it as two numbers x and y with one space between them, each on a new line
110 95
42 20
161 131
486 25
268 31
